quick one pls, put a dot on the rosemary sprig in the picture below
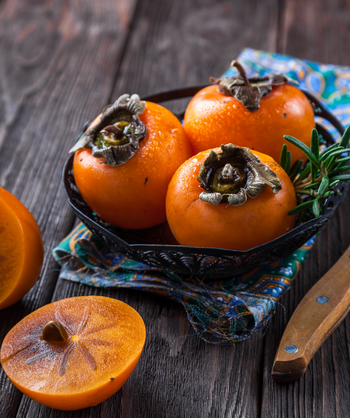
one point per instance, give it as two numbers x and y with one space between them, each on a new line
315 182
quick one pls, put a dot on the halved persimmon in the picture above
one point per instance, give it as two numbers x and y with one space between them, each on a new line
124 162
21 249
74 353
235 199
254 113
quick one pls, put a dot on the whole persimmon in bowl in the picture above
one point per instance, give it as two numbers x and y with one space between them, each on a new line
74 353
253 112
21 249
152 247
125 160
235 199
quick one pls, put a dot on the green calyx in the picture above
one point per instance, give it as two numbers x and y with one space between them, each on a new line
233 175
117 135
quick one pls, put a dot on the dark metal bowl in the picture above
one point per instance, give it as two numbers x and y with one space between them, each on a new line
156 246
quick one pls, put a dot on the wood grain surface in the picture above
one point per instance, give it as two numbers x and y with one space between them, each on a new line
61 63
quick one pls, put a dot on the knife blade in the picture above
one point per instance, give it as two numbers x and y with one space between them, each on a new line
318 314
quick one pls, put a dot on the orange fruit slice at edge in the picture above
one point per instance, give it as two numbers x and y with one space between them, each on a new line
105 341
21 249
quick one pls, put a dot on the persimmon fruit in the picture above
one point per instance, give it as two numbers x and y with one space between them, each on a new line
132 195
213 118
21 249
197 223
74 353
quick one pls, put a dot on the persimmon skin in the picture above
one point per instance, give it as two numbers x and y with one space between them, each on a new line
198 224
213 119
21 249
116 352
132 195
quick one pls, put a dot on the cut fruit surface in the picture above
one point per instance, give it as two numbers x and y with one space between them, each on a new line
81 366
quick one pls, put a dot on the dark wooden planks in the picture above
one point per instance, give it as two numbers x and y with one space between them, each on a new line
59 61
316 30
175 45
184 43
59 71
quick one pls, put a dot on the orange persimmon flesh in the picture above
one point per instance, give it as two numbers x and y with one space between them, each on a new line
105 341
21 249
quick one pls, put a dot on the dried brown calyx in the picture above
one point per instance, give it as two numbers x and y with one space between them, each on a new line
117 135
250 90
232 175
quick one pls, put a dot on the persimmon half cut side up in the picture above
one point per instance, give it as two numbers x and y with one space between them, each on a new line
21 249
83 363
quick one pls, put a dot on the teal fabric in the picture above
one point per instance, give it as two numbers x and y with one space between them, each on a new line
221 312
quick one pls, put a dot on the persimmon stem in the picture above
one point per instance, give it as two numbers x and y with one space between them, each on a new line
241 71
232 175
227 172
114 130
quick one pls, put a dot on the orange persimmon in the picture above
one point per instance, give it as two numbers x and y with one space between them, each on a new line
21 249
74 353
132 194
198 223
216 116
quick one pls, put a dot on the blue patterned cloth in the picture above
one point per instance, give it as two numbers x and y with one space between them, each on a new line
228 311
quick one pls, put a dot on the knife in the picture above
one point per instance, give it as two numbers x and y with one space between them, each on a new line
316 317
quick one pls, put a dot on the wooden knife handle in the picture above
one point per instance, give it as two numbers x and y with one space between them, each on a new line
316 317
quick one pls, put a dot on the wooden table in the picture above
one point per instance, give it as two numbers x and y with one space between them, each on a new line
61 62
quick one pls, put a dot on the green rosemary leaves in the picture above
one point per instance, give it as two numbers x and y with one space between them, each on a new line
314 182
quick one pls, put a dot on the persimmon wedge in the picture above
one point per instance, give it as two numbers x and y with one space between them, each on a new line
74 353
21 249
